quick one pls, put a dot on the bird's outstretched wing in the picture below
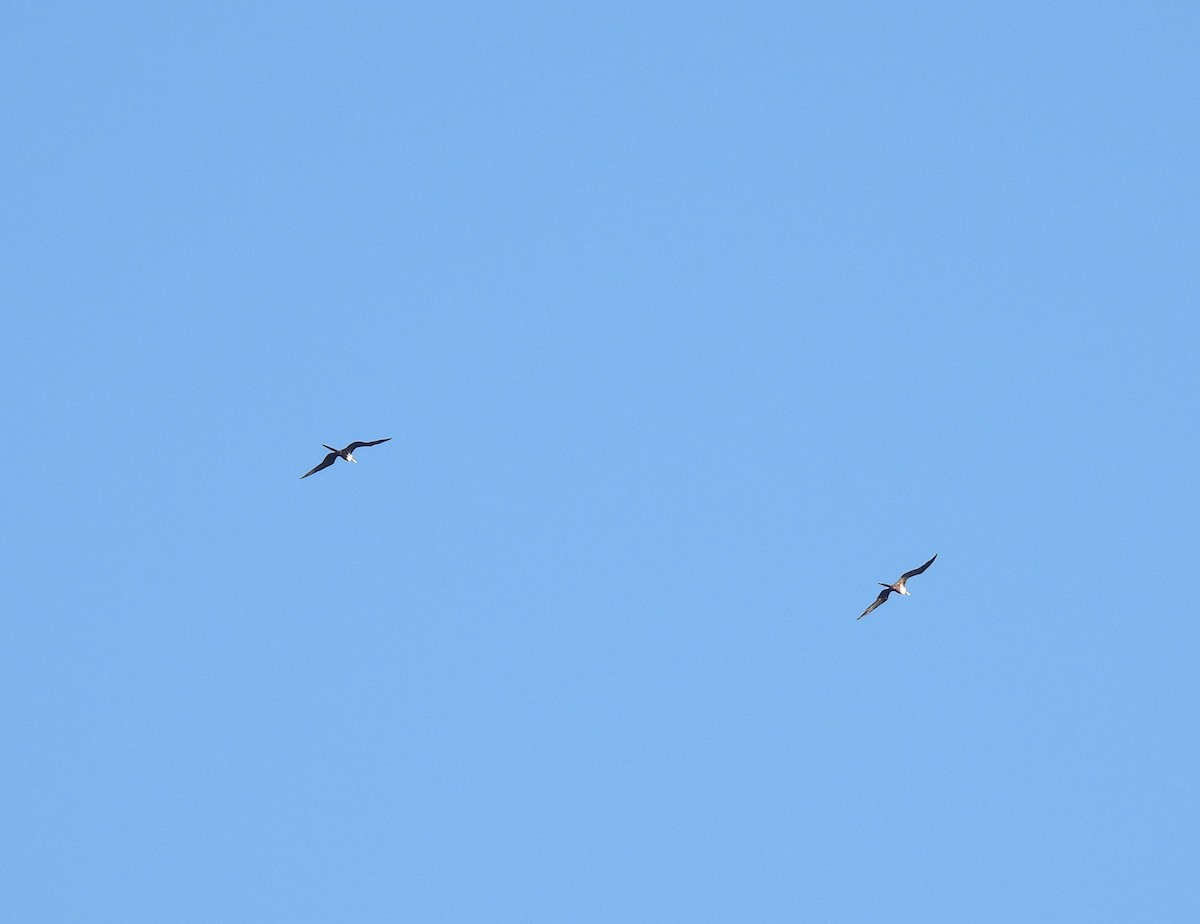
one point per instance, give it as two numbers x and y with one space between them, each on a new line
883 595
907 574
359 444
325 463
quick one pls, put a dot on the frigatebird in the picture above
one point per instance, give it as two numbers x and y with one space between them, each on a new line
335 454
898 587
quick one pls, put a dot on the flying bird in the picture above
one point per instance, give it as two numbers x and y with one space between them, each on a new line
898 587
347 454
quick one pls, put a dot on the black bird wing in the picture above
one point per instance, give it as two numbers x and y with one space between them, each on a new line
882 598
325 463
915 571
359 444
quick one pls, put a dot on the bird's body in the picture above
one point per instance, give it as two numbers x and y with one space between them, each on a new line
347 454
898 588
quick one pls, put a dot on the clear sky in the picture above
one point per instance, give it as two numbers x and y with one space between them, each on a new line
690 322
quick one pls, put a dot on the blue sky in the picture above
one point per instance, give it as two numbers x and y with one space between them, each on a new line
689 324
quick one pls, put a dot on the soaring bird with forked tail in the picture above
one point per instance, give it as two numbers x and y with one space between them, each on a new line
898 587
347 454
